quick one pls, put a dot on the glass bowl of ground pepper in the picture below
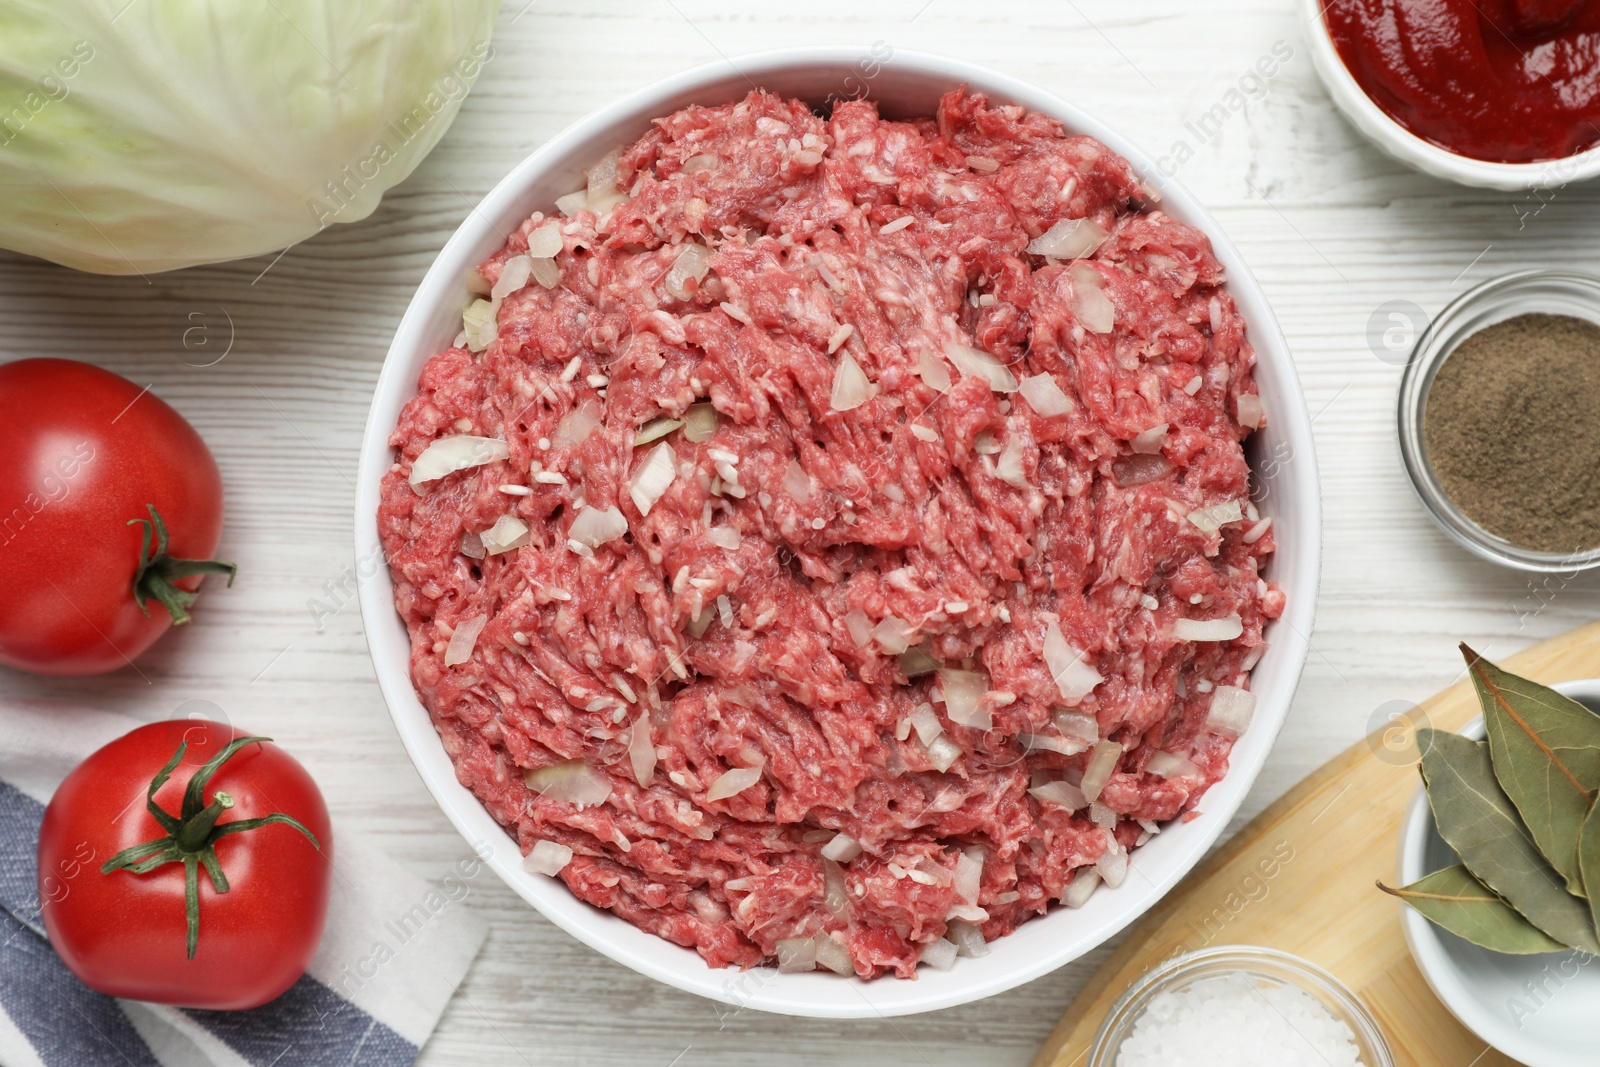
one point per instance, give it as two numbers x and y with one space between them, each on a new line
1500 420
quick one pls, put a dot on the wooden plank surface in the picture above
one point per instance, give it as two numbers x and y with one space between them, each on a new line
1332 228
1300 876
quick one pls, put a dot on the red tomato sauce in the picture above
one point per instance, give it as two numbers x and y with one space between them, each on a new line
1510 81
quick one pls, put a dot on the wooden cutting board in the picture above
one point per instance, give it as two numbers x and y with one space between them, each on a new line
1300 878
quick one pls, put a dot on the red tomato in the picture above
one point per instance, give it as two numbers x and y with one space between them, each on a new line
88 455
128 934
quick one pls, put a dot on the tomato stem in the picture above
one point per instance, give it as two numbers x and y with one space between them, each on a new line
192 835
158 573
197 831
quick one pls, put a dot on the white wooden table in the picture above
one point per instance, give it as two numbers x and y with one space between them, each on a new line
1332 229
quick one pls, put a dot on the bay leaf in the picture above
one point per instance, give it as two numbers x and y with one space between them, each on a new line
1589 851
1455 900
1546 753
1477 820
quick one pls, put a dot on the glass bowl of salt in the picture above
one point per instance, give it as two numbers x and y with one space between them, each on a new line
1239 1006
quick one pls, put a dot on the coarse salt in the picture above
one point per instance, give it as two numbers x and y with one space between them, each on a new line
1234 1021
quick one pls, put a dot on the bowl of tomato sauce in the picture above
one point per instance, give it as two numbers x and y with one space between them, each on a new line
1499 94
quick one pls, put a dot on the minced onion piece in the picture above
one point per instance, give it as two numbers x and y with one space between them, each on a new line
572 781
832 955
546 273
594 527
651 480
547 857
893 635
733 782
859 625
724 537
1073 676
916 661
926 723
1251 413
478 323
797 955
980 364
1171 765
601 189
642 751
1102 816
545 241
1129 471
450 454
1149 442
1047 743
1077 726
984 443
1098 771
1061 794
1214 517
1082 887
700 623
1069 239
1090 305
968 938
572 203
1230 711
851 388
1044 396
835 895
576 425
1113 865
943 752
933 371
1253 534
940 954
655 429
1008 468
472 545
1224 629
463 640
963 694
795 482
692 262
513 276
508 532
842 848
700 422
968 878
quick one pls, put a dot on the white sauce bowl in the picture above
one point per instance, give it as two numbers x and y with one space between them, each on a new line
1286 485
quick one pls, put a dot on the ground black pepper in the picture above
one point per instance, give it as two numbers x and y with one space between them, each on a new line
1512 431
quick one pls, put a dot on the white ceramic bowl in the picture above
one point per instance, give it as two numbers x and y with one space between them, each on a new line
1552 1026
908 84
1408 148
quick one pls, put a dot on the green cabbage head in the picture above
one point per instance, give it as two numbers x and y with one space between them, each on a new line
145 135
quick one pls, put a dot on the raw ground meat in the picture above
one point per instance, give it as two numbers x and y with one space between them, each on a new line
751 620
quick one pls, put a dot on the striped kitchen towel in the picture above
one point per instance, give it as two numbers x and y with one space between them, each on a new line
394 951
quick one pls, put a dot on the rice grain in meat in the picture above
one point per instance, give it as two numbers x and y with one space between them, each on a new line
737 601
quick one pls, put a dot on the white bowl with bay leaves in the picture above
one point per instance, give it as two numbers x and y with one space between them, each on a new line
1537 1008
904 84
